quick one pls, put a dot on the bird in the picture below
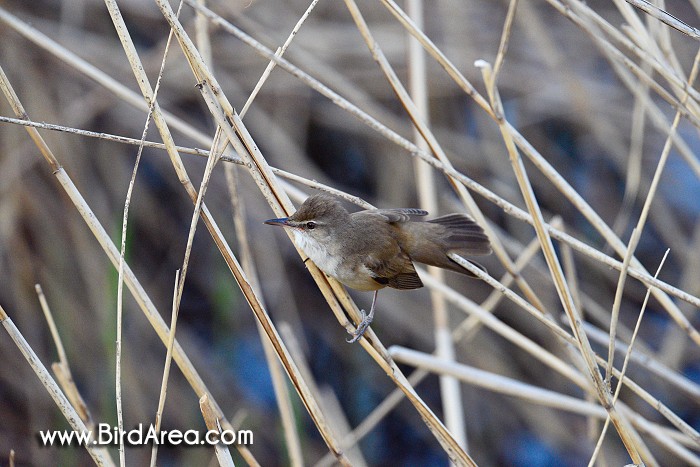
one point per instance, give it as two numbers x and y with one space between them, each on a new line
375 248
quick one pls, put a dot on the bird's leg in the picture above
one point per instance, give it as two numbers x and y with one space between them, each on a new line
365 321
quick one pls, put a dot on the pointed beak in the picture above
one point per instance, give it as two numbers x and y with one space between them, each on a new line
282 221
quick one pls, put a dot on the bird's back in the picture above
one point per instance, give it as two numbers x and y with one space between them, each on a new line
406 238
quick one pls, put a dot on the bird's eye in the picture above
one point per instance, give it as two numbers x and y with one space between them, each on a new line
311 225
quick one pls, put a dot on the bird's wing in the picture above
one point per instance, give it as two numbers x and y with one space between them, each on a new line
396 215
397 273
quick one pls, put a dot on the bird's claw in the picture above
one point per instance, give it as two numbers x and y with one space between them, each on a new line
361 328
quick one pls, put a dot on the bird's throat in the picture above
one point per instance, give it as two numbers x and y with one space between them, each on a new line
318 253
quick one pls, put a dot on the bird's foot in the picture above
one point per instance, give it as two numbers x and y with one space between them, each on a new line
362 327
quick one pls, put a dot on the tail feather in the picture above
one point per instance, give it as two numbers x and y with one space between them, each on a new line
463 235
461 221
453 233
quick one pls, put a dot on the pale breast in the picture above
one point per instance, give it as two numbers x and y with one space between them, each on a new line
357 276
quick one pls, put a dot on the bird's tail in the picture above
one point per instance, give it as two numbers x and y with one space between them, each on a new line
453 233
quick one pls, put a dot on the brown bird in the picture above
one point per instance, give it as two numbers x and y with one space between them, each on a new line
376 248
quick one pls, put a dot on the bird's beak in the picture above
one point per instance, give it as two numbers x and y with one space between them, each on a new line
282 221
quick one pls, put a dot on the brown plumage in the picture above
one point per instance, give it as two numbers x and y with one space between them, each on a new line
376 248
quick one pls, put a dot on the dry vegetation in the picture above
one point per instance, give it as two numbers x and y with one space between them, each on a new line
568 129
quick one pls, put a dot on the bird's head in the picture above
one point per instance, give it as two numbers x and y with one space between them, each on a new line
317 218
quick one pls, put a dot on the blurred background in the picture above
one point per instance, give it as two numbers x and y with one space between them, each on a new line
595 123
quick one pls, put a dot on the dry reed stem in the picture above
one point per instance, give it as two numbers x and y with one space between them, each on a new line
212 159
615 313
202 36
639 32
628 353
210 415
110 249
589 21
495 324
633 173
263 178
99 455
569 265
109 137
291 191
450 391
267 183
377 415
667 441
460 332
641 40
648 362
214 155
62 358
436 149
636 233
495 383
511 387
512 335
543 165
667 145
279 381
507 207
120 280
332 406
45 42
61 369
599 315
335 415
74 61
62 372
665 17
621 424
638 273
599 224
166 367
298 382
278 53
472 323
